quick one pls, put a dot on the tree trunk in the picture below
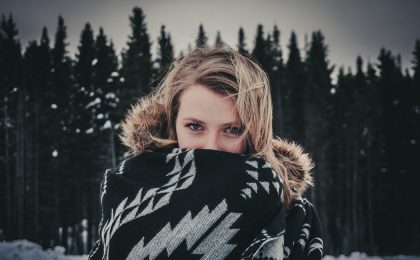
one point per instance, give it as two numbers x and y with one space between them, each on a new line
19 181
29 179
355 191
36 172
369 196
9 210
113 153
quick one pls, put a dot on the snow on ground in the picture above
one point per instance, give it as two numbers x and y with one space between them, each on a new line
363 256
354 255
27 250
77 257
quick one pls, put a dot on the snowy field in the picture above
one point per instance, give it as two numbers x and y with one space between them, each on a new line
26 250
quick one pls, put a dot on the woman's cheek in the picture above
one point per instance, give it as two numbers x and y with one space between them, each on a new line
188 140
233 145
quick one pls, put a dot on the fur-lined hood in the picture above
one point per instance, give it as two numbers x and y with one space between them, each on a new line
147 118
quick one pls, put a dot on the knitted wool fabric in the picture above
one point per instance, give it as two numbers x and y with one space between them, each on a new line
201 204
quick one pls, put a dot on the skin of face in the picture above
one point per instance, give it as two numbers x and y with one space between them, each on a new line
207 120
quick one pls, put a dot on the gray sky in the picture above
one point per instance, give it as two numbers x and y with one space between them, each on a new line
351 28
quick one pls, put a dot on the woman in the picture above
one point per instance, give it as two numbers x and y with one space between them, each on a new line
206 179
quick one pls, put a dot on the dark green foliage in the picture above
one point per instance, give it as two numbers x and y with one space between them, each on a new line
218 42
319 72
11 58
81 115
166 52
317 138
60 114
274 57
108 88
394 142
267 53
136 62
38 81
241 42
349 129
61 78
201 38
259 53
106 81
293 94
12 100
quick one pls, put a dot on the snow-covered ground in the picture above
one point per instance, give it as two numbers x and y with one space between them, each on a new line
27 250
363 256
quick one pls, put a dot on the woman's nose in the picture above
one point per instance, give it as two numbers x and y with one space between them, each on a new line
212 142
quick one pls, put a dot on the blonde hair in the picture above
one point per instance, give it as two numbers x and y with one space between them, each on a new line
235 76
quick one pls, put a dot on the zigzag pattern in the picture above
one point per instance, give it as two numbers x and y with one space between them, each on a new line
190 230
155 198
215 246
254 172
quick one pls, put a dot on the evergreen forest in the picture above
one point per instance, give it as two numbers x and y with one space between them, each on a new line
60 120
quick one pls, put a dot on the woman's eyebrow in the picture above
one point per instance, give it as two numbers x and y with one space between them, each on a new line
203 123
232 123
194 119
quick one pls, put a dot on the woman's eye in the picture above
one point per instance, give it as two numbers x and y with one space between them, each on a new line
194 126
235 130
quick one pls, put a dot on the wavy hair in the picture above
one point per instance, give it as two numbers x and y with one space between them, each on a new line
231 74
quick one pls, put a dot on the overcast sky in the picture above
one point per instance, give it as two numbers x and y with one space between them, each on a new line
351 28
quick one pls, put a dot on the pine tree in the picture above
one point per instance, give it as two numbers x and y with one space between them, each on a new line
136 62
396 132
166 52
350 140
83 93
317 117
11 62
293 93
12 93
82 133
218 42
416 64
107 87
361 196
259 52
318 66
43 138
241 42
37 70
369 136
277 50
201 38
407 129
106 80
61 81
103 152
341 145
60 116
414 133
276 76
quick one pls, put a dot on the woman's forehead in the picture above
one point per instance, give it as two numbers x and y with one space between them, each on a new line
200 103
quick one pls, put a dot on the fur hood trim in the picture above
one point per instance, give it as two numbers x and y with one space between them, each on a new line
298 164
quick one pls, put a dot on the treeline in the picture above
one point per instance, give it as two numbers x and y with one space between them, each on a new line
60 120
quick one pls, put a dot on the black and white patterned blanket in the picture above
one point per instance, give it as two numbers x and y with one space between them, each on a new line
201 204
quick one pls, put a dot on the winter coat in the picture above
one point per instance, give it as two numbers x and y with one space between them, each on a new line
172 203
